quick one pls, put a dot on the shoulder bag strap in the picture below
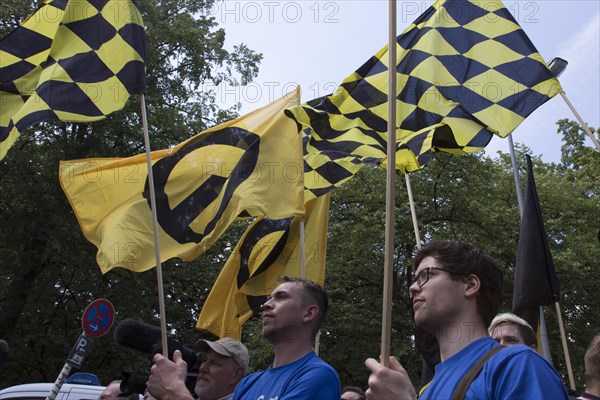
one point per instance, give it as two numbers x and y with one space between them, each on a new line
463 386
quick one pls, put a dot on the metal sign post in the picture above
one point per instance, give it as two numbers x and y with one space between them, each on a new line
97 319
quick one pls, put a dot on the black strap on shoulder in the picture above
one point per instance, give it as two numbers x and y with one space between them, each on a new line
463 386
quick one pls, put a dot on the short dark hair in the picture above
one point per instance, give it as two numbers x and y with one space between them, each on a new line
592 362
356 390
468 259
313 294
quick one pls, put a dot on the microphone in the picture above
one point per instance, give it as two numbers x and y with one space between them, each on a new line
146 338
4 353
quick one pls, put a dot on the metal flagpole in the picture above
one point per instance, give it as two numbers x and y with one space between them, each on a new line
511 150
390 191
544 341
159 278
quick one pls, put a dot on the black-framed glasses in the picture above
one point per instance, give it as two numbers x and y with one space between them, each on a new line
423 276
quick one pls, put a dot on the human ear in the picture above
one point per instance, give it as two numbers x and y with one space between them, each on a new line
473 285
310 312
238 375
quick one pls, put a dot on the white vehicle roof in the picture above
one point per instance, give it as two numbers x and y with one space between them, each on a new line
39 391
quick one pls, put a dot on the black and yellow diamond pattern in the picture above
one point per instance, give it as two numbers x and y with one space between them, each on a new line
465 71
76 61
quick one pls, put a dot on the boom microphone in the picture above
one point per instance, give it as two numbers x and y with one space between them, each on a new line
146 338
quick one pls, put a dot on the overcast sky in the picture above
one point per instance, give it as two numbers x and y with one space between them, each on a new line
316 44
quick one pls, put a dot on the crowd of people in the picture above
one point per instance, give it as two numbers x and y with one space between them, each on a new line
456 297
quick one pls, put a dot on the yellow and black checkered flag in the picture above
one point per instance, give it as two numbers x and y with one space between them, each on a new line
465 71
75 61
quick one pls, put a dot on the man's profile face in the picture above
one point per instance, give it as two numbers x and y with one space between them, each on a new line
507 334
283 312
217 377
438 299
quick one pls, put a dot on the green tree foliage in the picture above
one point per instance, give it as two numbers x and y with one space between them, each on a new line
47 269
49 274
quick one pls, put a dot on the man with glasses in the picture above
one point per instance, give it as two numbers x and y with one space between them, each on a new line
456 293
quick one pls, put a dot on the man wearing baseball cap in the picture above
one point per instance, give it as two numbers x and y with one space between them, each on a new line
225 363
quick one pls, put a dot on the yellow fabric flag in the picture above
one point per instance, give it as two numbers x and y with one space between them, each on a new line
252 164
74 61
267 250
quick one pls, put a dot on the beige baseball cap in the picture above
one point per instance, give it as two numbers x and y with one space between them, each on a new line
227 347
508 318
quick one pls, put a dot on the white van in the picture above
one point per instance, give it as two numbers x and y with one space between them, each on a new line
39 391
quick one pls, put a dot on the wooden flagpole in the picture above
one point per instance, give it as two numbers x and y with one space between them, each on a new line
302 261
413 211
386 322
302 249
159 277
565 347
303 274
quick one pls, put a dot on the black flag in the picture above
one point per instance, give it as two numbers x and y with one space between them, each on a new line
536 283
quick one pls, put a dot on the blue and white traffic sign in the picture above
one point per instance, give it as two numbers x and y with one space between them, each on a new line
98 318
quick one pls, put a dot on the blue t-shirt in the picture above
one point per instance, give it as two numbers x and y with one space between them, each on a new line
307 378
516 372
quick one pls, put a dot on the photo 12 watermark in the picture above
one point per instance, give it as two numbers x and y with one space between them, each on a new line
259 93
291 12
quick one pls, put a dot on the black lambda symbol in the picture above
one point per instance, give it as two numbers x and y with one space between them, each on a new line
176 221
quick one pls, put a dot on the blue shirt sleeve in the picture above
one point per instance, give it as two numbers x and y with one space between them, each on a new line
524 374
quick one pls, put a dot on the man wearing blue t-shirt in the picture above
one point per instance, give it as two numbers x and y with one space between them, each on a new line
291 319
456 293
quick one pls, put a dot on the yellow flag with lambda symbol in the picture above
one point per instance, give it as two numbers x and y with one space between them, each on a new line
252 164
268 249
